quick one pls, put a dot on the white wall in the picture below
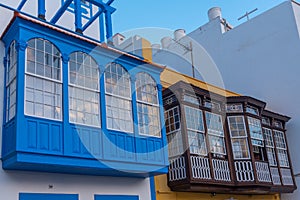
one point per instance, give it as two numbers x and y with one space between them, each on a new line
261 58
14 182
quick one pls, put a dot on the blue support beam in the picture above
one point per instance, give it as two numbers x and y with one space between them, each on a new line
101 26
22 3
102 5
108 24
92 20
78 16
110 2
41 9
61 11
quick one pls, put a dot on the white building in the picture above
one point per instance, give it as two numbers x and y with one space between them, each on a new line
259 58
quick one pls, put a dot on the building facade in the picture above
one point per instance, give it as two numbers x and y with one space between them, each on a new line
81 120
257 58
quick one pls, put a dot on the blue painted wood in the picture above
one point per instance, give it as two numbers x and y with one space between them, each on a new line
40 196
33 143
116 197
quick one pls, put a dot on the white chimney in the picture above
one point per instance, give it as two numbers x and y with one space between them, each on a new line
178 34
214 13
118 39
165 42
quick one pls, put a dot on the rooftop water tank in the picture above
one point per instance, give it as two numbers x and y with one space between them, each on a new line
214 13
178 34
165 42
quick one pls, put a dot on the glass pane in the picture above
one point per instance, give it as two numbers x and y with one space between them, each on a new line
197 143
237 126
194 118
240 148
217 144
214 124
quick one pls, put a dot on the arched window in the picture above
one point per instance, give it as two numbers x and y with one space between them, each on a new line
43 85
118 98
147 105
11 73
84 90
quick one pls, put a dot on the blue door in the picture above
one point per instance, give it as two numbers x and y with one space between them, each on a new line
116 197
34 196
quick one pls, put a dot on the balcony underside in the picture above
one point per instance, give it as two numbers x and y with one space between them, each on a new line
250 189
71 165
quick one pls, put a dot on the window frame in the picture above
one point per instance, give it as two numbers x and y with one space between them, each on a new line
43 78
282 149
75 86
197 131
245 137
146 103
211 133
11 83
122 98
269 145
175 133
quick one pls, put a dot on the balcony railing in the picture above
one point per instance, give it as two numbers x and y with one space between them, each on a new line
177 169
286 176
221 170
244 171
275 176
200 168
263 173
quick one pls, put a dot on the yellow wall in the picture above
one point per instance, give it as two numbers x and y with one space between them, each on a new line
163 192
169 77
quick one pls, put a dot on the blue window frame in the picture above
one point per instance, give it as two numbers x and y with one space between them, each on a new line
116 197
11 81
147 105
43 83
40 196
118 98
84 90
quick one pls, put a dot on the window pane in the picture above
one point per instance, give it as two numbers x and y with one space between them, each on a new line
237 126
217 144
214 124
197 143
271 156
84 106
279 139
119 113
255 131
240 148
268 137
117 81
146 88
42 98
175 144
194 118
282 158
11 82
148 120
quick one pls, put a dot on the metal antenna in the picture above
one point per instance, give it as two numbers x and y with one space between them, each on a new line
190 49
247 14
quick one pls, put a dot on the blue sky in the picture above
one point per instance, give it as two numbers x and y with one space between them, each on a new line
175 14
